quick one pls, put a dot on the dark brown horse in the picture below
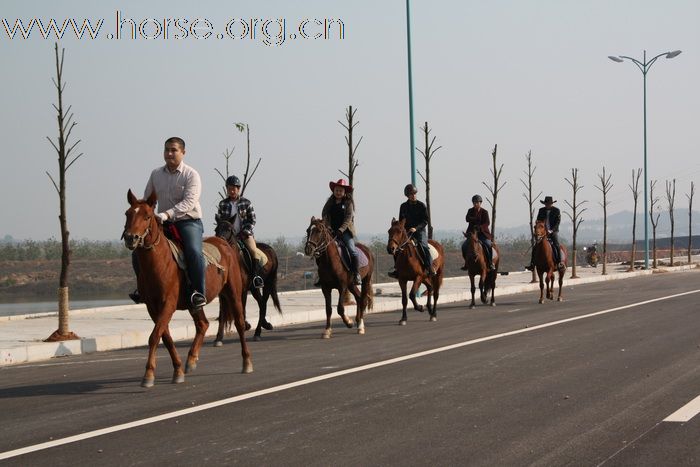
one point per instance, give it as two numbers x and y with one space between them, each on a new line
224 230
475 260
161 284
409 267
544 262
333 275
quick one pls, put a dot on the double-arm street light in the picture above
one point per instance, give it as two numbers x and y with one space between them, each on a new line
644 67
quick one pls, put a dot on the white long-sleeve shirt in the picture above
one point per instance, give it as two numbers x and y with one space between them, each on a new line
178 191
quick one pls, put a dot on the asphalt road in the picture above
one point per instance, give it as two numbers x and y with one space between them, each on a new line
518 384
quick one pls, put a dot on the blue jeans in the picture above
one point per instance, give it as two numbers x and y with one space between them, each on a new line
350 243
191 231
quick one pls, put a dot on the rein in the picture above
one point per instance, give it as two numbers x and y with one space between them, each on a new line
141 239
320 248
400 247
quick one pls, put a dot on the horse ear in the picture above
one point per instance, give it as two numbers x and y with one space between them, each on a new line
130 198
152 198
393 220
313 218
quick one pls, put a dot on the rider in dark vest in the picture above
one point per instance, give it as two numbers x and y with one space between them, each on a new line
478 219
551 217
339 215
416 214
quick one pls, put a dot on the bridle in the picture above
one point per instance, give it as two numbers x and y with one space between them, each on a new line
141 239
226 231
400 246
318 248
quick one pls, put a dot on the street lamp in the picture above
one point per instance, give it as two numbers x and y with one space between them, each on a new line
644 67
410 93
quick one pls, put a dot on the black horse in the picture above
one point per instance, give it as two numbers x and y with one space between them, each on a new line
224 229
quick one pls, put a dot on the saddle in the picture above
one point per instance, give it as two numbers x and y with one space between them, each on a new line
344 253
433 252
212 255
561 254
248 259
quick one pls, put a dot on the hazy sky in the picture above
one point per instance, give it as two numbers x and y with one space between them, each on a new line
526 74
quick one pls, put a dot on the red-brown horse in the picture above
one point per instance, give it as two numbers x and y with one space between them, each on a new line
409 267
475 259
544 262
161 284
269 275
321 245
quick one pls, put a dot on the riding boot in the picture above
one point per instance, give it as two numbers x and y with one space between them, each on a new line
489 258
357 278
258 282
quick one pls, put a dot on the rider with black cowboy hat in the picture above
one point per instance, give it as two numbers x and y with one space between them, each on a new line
338 215
551 217
416 214
478 219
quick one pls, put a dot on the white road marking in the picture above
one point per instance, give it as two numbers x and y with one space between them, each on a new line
35 365
513 311
315 379
686 412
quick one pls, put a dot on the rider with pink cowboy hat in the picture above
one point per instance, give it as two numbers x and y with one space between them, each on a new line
551 217
338 215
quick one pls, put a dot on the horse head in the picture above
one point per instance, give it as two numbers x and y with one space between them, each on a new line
397 236
473 245
540 230
224 229
317 238
140 221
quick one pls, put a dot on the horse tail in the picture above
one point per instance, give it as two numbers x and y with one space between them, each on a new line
369 296
273 294
490 282
225 312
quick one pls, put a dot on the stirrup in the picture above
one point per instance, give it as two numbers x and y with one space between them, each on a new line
357 280
492 267
258 282
198 300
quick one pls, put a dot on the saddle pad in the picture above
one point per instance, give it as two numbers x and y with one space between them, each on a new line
433 251
362 259
212 255
562 253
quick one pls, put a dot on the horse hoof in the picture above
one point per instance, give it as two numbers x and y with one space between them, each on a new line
541 301
493 304
420 308
247 326
177 379
471 307
218 343
257 338
267 326
247 368
326 334
189 368
361 331
148 382
402 322
348 322
560 299
433 319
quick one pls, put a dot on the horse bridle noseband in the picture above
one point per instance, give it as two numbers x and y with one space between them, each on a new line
318 249
399 248
141 239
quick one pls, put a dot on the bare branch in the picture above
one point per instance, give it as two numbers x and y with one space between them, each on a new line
54 183
71 162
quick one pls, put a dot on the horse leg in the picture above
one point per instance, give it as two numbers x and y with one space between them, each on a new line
539 275
240 323
404 302
328 332
550 285
161 325
201 324
262 322
412 294
178 374
341 307
473 289
219 341
482 295
493 289
561 281
431 298
359 300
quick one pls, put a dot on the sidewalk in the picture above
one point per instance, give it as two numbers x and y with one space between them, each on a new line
120 327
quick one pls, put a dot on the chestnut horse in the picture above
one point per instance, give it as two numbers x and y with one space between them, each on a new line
161 284
333 275
475 260
409 267
224 229
544 262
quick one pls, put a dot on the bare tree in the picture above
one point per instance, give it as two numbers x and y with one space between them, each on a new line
605 187
350 126
529 174
428 154
634 187
671 198
65 159
247 174
494 189
575 215
353 163
654 217
690 220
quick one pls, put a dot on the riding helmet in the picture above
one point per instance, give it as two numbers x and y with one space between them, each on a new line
477 198
410 189
233 181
